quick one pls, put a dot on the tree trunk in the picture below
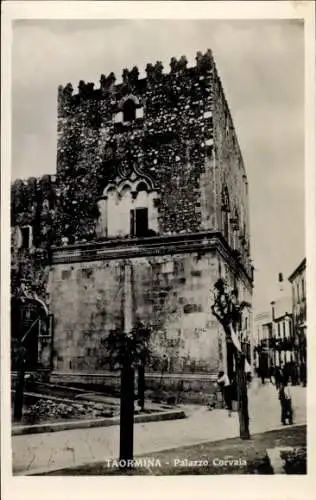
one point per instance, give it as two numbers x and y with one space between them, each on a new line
19 393
230 359
127 414
242 397
141 386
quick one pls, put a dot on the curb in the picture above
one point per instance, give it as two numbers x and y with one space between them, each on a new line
21 430
58 399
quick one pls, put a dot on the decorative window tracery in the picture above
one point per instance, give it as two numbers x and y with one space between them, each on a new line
128 209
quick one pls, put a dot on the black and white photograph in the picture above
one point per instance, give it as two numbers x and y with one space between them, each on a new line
158 260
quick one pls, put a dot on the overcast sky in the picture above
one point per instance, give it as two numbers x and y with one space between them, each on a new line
261 64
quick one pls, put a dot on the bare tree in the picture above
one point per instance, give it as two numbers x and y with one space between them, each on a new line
228 311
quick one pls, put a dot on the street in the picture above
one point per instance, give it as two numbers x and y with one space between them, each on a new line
51 451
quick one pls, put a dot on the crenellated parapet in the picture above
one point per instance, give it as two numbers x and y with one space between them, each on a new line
107 83
154 73
178 66
32 196
131 82
130 78
34 206
204 62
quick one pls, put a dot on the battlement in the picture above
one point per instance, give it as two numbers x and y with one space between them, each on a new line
32 196
131 81
31 182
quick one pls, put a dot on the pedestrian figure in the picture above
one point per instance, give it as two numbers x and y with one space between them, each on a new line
262 375
286 372
277 376
294 373
303 373
225 386
286 403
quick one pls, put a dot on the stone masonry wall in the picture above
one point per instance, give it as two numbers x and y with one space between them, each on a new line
34 204
171 295
230 173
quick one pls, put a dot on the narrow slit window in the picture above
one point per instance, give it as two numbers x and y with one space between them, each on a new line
26 233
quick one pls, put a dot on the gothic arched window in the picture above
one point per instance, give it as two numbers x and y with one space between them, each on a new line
225 199
128 210
225 212
234 221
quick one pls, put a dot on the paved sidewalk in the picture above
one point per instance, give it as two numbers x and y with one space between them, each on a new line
51 451
229 456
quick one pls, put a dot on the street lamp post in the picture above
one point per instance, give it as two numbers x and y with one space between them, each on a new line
273 334
227 309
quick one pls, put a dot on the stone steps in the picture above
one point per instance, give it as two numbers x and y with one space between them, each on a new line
276 457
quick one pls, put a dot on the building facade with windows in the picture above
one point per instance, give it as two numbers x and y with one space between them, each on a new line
274 341
299 311
262 341
148 208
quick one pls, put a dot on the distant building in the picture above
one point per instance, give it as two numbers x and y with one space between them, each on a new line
298 282
282 331
273 336
262 354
